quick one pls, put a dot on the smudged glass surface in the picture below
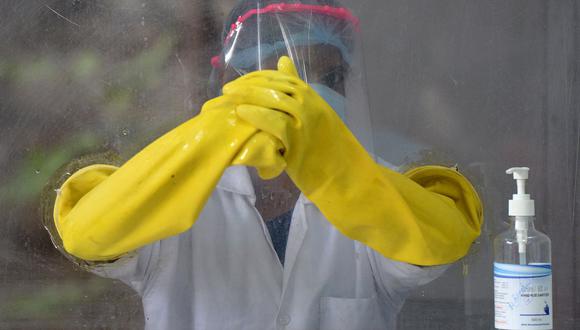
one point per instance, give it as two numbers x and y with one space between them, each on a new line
486 85
483 85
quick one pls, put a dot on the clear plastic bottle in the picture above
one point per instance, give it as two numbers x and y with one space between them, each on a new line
522 267
538 246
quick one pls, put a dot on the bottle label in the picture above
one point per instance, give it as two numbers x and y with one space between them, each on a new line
523 296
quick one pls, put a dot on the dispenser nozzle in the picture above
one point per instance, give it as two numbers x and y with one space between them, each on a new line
521 174
521 204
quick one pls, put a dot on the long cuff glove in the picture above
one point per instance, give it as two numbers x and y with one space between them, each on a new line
102 212
430 219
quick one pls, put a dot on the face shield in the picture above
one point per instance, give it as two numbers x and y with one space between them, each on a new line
321 37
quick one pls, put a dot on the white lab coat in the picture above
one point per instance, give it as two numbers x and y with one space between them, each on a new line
224 273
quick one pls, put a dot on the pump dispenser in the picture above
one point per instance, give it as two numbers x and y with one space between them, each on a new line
522 266
522 208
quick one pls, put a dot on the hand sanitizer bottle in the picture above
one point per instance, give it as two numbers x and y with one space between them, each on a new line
522 268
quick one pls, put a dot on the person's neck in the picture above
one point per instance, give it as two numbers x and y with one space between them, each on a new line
274 197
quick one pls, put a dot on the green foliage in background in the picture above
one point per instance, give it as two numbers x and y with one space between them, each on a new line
39 166
49 300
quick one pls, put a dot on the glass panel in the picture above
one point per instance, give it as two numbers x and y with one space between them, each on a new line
486 85
95 81
481 85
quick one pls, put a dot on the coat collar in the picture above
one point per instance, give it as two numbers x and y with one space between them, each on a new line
237 179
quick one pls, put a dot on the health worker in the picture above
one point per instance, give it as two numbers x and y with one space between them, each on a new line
270 209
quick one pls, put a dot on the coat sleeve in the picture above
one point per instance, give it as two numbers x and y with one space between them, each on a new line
136 269
396 280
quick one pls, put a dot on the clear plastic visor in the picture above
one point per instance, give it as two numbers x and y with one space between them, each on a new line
323 42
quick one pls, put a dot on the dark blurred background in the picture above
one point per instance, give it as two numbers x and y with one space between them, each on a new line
484 84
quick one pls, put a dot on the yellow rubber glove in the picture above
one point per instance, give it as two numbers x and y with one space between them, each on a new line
430 221
102 212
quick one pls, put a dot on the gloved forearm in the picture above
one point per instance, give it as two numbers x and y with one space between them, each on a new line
102 212
429 216
431 221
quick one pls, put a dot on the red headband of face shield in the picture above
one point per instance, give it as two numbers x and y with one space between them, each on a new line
336 12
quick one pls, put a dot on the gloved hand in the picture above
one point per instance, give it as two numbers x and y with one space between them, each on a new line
102 212
387 211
